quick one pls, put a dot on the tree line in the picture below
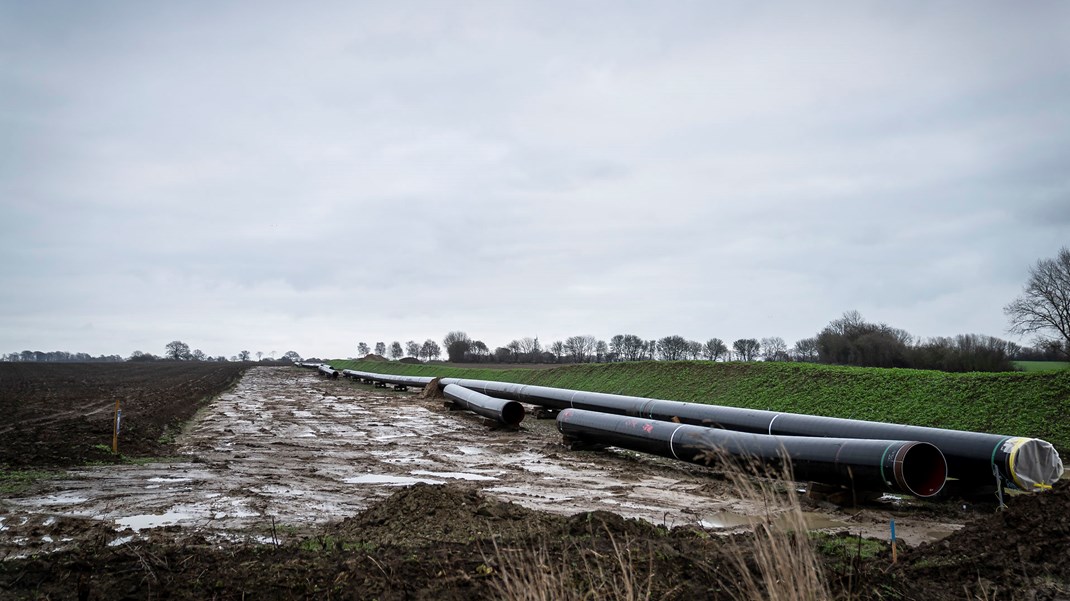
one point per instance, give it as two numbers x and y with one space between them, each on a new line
848 340
58 357
176 350
1043 309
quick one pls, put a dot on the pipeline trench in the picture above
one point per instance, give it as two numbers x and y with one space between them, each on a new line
287 449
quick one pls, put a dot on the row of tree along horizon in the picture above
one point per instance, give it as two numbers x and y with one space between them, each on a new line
175 350
849 340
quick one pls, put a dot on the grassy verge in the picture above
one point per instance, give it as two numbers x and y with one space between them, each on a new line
1042 365
16 481
1013 403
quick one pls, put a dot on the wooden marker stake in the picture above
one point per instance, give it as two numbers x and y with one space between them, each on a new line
115 430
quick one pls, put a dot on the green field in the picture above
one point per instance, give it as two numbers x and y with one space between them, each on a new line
1041 365
1032 404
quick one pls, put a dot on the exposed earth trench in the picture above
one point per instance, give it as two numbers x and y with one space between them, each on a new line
286 449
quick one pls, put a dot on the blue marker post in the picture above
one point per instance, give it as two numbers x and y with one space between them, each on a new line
894 557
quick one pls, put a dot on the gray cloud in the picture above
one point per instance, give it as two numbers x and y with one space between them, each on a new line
278 178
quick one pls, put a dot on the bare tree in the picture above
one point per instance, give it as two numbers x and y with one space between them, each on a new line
177 350
430 350
601 351
626 347
774 349
243 356
380 349
363 349
526 345
457 343
805 349
1044 305
396 352
580 347
714 349
412 348
746 348
672 348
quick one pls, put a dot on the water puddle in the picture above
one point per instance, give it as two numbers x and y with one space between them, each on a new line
390 480
453 475
151 520
63 498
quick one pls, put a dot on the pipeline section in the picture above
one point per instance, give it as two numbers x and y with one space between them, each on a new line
397 381
327 370
510 413
977 460
915 468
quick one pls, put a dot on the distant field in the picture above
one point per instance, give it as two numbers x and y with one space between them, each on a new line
1013 403
1041 365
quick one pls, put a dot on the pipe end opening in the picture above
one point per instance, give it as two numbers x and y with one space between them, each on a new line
513 413
924 469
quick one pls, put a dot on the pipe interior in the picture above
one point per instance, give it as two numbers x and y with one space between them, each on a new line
924 469
512 413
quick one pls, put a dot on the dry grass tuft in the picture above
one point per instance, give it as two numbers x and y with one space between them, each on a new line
581 574
779 563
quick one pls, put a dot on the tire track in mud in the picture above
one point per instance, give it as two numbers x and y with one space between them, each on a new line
287 449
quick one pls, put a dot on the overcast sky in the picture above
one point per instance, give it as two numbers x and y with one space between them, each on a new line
277 176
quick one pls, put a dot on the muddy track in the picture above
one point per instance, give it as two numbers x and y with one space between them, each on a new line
286 449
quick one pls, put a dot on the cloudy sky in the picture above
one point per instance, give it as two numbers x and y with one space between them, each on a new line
278 176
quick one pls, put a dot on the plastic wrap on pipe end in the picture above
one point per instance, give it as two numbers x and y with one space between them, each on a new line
1034 464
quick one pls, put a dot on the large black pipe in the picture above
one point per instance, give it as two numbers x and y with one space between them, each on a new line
507 412
915 468
975 459
328 371
406 381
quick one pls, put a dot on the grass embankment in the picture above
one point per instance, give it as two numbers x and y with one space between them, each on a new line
1021 404
1041 365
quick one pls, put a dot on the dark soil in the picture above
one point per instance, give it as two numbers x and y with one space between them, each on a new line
62 414
446 541
1022 552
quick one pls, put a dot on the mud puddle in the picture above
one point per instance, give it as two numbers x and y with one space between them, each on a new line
285 450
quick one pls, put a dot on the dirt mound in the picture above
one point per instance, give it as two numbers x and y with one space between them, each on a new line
1018 553
424 513
374 357
412 360
432 391
458 513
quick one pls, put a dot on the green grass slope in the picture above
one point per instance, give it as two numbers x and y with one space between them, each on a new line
1041 365
1033 404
